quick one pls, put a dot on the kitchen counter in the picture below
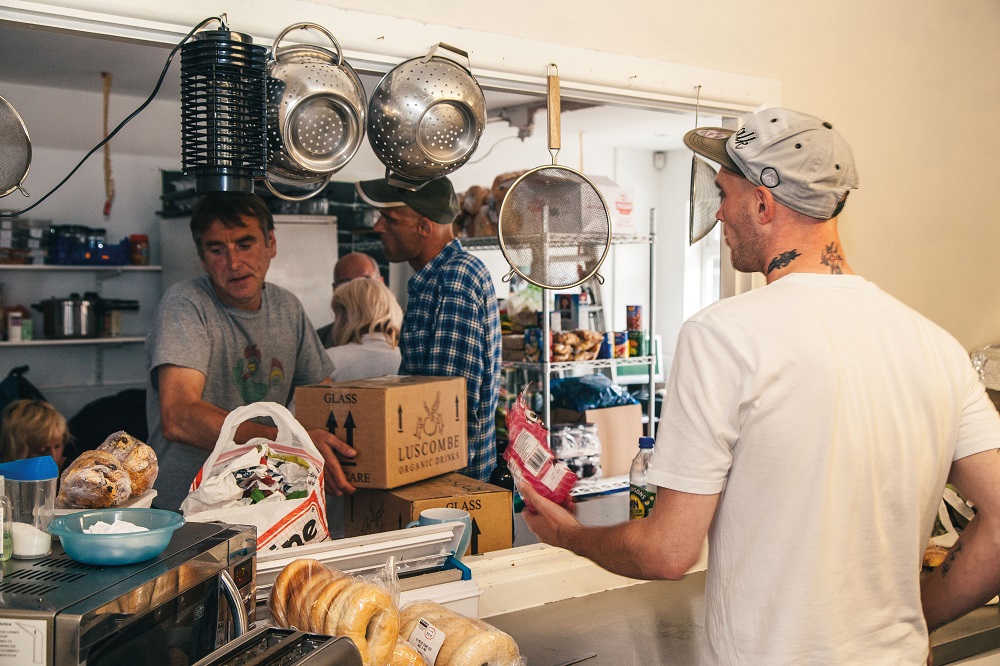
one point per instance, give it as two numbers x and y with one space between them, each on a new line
662 622
537 593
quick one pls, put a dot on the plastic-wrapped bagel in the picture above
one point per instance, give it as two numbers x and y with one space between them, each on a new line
311 597
468 641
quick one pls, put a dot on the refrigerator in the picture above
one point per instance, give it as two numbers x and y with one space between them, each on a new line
307 252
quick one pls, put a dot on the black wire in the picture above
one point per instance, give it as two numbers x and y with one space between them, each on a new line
159 82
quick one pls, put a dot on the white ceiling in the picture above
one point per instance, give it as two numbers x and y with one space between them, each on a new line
48 58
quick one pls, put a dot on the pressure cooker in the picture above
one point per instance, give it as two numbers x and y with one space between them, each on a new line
73 317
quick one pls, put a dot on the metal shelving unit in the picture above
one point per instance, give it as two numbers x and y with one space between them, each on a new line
547 368
101 274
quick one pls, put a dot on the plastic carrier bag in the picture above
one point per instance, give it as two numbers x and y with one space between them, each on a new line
276 486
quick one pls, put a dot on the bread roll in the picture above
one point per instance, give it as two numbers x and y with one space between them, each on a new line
467 640
934 555
138 459
95 480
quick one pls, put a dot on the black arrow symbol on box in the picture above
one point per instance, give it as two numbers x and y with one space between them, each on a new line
331 424
474 542
457 417
400 415
349 429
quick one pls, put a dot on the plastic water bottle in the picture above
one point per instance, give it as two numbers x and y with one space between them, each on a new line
641 495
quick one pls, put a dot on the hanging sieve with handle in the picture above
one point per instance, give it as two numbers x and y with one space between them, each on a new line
15 150
554 225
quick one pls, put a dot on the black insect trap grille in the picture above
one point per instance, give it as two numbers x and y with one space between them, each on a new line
223 111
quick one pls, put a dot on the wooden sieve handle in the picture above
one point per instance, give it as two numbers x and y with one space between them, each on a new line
555 133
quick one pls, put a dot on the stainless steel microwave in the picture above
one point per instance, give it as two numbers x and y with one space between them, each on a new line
172 610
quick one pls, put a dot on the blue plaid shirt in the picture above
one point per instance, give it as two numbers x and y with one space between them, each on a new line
452 329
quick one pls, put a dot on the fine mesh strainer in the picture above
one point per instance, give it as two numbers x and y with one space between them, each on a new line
704 199
315 113
425 118
554 225
704 202
15 150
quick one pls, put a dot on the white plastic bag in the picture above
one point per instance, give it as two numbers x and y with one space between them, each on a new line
280 523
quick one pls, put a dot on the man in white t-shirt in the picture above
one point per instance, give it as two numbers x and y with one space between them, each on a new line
808 430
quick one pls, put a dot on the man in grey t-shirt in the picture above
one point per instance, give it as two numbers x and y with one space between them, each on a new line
226 339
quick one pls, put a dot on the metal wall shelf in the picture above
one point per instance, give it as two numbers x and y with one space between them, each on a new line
595 364
80 268
477 242
107 342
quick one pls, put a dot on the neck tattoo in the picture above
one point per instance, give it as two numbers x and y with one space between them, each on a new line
782 260
832 258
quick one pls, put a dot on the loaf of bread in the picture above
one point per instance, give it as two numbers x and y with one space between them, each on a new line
95 480
467 640
138 459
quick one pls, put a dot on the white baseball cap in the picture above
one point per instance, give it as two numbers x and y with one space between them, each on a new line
806 164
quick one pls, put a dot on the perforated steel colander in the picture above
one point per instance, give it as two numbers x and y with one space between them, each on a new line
15 150
315 112
425 118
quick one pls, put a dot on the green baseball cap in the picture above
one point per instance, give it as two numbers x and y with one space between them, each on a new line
435 200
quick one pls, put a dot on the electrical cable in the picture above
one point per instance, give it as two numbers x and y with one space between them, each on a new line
498 142
156 89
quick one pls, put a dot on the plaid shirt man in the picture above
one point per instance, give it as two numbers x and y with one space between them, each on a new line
452 329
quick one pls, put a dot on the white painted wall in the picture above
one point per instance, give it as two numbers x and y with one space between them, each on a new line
911 83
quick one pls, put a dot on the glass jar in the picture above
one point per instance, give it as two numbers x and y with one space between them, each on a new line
139 249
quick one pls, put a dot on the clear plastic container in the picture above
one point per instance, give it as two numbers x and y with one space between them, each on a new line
30 485
6 527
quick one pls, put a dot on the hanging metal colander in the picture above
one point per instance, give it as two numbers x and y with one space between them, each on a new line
315 113
425 118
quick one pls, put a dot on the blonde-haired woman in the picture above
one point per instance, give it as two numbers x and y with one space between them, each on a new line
365 331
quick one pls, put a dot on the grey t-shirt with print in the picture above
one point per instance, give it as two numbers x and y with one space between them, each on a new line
246 356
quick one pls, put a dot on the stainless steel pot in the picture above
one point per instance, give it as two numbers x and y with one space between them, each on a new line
72 317
315 113
425 118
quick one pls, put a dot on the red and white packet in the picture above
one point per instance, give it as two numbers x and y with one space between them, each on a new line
529 458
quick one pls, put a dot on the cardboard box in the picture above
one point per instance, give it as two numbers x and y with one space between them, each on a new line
489 506
405 429
619 429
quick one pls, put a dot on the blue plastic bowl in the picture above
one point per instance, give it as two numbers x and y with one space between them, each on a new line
115 549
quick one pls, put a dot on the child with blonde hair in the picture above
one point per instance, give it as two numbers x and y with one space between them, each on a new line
365 331
32 428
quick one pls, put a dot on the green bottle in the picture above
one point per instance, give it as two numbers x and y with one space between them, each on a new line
641 495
